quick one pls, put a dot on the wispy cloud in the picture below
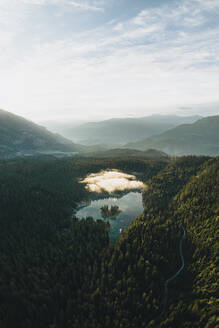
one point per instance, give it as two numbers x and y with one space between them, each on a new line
80 4
85 6
207 4
161 59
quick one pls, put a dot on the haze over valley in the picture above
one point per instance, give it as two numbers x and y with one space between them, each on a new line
109 163
165 135
118 131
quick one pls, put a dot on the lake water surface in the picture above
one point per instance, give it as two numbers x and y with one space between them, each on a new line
130 204
110 182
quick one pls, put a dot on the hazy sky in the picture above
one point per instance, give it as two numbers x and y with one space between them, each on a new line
90 59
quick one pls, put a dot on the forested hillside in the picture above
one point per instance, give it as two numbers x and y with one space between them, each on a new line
199 138
19 136
130 290
47 259
150 154
57 271
118 131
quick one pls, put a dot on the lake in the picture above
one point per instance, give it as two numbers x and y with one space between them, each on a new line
130 205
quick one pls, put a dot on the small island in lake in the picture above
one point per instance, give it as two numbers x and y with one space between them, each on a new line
110 212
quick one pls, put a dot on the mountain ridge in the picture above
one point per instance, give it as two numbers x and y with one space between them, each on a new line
19 136
199 138
125 152
116 132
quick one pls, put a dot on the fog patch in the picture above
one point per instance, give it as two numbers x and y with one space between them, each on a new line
111 181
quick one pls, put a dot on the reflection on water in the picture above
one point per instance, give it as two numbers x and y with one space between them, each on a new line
110 181
129 204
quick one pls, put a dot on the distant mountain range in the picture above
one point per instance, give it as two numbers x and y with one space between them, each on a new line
120 152
117 132
19 136
201 137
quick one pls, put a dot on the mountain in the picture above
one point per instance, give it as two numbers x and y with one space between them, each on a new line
19 136
121 152
199 138
116 132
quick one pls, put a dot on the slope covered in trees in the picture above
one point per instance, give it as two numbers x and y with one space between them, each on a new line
130 290
119 131
47 259
56 271
19 136
199 138
120 152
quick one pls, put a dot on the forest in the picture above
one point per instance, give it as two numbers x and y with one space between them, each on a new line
57 271
110 212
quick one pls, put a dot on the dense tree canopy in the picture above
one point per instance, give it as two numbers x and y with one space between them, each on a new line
58 271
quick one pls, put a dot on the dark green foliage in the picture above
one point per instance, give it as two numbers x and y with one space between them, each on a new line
151 154
56 271
168 183
197 207
147 254
111 212
49 261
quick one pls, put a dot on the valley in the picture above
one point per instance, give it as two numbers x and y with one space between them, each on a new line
109 163
99 228
165 136
53 265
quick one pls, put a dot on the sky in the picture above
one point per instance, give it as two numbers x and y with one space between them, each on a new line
95 59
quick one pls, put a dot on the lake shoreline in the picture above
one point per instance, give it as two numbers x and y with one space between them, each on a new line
129 203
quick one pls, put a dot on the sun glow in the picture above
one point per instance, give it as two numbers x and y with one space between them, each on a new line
110 181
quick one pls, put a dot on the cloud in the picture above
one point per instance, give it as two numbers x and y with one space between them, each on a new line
162 59
84 6
11 25
207 4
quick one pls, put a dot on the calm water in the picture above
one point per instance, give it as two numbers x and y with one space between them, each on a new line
130 204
